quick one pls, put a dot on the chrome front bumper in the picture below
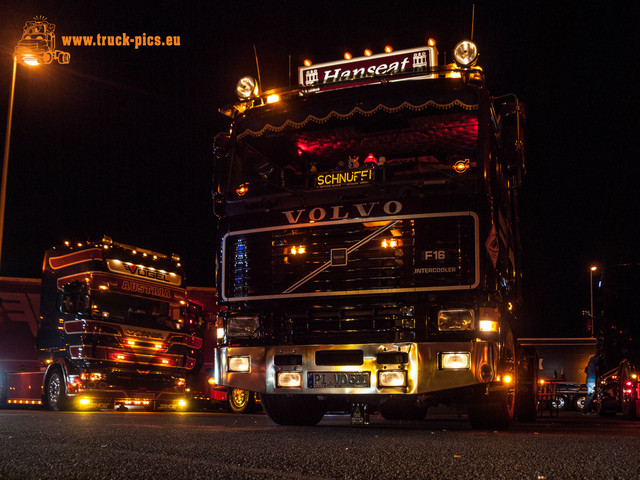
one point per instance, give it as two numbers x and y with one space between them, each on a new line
421 362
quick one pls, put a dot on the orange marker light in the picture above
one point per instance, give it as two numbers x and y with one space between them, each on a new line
388 49
461 166
367 52
242 189
347 56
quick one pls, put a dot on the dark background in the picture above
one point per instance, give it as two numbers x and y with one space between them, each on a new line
118 142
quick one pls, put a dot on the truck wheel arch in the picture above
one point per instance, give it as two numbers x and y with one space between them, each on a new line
58 372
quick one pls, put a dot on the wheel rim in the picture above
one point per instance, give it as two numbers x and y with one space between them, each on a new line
239 397
54 391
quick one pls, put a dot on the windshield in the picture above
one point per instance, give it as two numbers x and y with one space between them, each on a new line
136 311
399 146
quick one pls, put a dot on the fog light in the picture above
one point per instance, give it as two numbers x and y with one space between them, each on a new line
392 378
455 361
289 379
182 403
84 402
239 364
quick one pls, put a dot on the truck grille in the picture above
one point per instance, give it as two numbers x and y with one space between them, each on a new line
323 324
349 258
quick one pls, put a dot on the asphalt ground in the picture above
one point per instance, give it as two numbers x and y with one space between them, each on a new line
36 444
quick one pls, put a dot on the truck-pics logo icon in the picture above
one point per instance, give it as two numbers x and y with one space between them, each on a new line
38 44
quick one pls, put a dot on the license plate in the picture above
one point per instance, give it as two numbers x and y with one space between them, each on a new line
338 379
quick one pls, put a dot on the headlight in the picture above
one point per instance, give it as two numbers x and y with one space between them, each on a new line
455 320
242 326
465 53
239 364
246 88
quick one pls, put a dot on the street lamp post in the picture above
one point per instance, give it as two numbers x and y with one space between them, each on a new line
5 161
591 270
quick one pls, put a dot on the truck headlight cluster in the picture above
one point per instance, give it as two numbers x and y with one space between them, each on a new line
456 320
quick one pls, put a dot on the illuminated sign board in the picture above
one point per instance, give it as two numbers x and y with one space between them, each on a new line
346 177
143 272
364 70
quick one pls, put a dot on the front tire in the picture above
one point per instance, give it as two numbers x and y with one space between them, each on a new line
240 401
55 397
493 412
298 410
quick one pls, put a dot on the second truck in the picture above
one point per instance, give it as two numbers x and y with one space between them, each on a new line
368 235
112 329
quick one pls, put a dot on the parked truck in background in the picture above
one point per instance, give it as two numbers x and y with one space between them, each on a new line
368 239
106 325
201 385
563 361
618 327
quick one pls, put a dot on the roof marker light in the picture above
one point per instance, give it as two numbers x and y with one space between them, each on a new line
347 56
388 49
367 52
273 98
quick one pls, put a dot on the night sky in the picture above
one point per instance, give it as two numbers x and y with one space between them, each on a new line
118 142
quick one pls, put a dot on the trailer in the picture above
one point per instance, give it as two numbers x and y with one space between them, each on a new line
562 362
